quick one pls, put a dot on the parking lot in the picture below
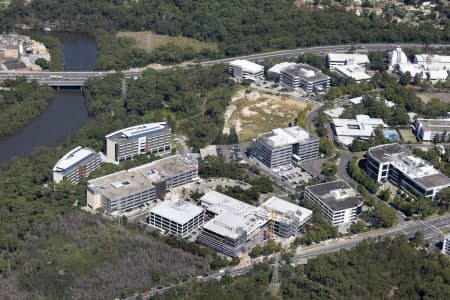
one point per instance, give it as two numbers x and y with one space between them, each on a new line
292 177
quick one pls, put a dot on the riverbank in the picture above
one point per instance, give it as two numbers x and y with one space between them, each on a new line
54 47
20 103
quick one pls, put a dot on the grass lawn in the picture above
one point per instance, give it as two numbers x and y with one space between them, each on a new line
157 40
407 135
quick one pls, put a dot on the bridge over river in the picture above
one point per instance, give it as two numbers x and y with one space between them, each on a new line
78 79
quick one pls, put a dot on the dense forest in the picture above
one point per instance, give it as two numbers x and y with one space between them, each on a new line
385 269
240 27
20 102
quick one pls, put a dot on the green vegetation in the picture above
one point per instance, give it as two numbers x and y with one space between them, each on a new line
301 116
43 63
329 169
361 176
389 268
192 101
270 247
55 49
326 147
21 102
218 167
380 214
239 27
317 229
259 185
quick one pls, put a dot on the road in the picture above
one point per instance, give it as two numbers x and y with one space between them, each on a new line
432 229
77 79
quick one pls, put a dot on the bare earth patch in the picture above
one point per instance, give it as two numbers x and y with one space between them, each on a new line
256 112
426 97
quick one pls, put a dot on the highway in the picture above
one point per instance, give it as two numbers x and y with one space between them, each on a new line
77 79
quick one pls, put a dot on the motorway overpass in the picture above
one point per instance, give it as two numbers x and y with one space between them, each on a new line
78 79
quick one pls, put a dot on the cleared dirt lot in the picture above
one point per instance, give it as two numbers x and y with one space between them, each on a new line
426 97
254 112
157 40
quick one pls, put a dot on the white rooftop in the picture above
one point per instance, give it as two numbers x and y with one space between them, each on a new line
431 59
180 211
284 209
287 136
349 58
413 69
219 203
397 56
356 100
334 112
210 150
247 65
139 130
352 71
412 165
279 67
361 127
72 157
226 224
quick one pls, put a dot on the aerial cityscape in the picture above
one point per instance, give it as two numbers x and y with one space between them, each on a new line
224 149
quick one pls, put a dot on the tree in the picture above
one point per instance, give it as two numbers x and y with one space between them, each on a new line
419 239
383 215
405 78
43 63
326 146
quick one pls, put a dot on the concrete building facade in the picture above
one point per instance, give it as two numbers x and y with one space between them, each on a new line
128 189
344 59
337 199
76 164
179 218
152 138
277 148
430 130
446 245
304 76
244 69
396 164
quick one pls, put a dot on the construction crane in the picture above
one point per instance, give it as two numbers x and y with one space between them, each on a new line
271 225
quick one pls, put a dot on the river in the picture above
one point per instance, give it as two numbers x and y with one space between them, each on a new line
66 113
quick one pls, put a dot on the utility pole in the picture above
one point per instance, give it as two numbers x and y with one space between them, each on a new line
148 42
123 85
275 280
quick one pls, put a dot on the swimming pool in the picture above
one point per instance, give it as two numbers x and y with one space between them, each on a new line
391 135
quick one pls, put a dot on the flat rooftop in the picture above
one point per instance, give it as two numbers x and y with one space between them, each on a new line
349 58
73 158
285 210
120 184
180 211
138 131
279 67
218 203
353 71
247 65
231 225
438 125
411 165
337 195
281 137
306 72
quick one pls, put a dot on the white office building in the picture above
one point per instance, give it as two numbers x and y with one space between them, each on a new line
128 189
234 223
396 164
446 245
305 77
397 57
178 218
431 59
430 130
276 69
279 147
363 127
151 138
288 218
76 164
354 72
337 199
244 69
346 59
